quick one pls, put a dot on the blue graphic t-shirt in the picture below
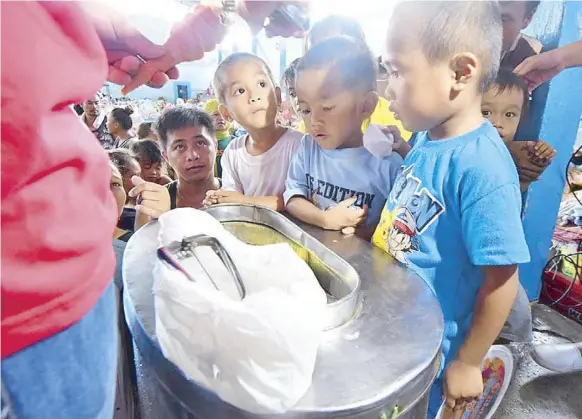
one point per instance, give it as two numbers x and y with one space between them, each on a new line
327 177
454 208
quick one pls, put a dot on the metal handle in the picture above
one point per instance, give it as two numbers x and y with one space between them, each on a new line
176 251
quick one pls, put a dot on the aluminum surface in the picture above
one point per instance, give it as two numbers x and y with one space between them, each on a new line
387 355
337 277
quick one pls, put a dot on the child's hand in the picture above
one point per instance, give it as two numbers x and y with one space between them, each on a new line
462 384
222 196
152 199
540 152
344 215
400 146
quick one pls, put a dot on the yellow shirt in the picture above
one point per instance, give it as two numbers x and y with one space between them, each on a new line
381 116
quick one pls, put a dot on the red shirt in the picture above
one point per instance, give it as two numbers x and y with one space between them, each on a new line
57 212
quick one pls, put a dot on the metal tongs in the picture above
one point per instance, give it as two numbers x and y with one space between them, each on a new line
181 255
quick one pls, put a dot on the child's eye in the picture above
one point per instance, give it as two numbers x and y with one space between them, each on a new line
116 184
179 147
510 114
201 143
262 84
486 113
304 111
239 91
394 74
328 108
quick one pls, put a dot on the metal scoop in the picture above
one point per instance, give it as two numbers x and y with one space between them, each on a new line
182 255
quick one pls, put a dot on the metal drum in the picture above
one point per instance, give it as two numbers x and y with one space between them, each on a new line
380 352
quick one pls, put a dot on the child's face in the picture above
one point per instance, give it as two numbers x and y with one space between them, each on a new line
150 171
418 91
292 94
333 115
218 121
116 186
514 18
132 170
250 96
503 109
191 151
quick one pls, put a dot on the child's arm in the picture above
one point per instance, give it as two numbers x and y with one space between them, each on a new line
493 235
223 196
494 301
297 203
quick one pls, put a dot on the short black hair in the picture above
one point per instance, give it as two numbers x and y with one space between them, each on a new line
290 73
122 158
445 28
531 7
350 60
123 117
148 150
144 130
508 80
180 117
338 25
218 82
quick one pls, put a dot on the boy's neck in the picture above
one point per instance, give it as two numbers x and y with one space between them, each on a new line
463 122
265 138
354 141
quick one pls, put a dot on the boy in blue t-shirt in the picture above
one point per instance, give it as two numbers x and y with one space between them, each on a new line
333 181
453 215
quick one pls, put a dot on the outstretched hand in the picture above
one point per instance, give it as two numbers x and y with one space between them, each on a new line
538 69
127 49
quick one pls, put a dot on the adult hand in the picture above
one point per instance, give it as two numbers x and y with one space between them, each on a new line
124 46
198 32
463 383
152 199
540 68
344 215
256 12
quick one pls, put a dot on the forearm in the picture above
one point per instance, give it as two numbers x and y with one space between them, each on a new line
272 202
494 302
305 211
573 54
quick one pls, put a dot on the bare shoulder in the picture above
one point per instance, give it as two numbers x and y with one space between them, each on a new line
534 43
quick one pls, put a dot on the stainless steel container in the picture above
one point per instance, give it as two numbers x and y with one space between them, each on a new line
381 349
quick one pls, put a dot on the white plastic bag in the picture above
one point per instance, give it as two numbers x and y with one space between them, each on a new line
377 142
257 354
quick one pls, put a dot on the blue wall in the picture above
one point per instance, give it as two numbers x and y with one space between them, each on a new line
554 117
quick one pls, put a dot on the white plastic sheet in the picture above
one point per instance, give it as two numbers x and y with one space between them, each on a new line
377 142
257 354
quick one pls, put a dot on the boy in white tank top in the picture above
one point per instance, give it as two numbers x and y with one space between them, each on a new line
254 166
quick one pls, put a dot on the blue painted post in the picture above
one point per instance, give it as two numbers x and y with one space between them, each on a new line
555 116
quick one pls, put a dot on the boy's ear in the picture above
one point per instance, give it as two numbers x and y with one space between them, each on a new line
278 95
224 112
464 70
369 103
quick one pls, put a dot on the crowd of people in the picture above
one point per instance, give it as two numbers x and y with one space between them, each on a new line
447 202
